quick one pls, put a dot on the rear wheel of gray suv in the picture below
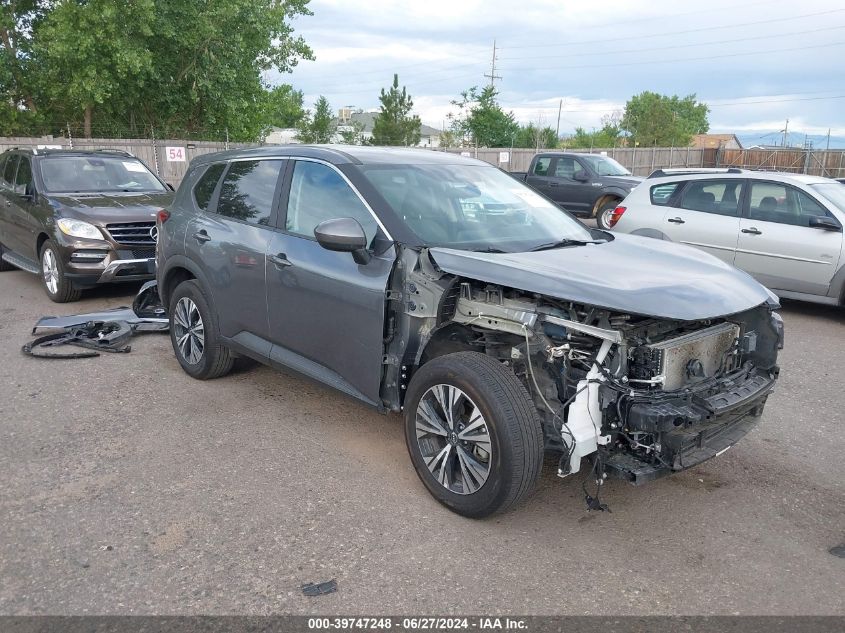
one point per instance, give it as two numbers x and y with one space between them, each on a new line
194 333
473 434
56 284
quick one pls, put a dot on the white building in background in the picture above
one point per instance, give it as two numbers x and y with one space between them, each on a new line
281 136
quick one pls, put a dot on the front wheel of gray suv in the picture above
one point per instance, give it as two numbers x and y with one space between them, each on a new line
473 433
194 333
56 284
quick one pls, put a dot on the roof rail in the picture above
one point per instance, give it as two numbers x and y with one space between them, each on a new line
683 171
112 150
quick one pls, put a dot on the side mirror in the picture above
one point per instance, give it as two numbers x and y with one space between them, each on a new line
344 235
29 192
824 223
580 176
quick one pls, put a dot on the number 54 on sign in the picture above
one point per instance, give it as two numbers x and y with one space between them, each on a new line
175 154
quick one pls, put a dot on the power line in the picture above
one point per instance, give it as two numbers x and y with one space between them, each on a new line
679 60
670 33
708 43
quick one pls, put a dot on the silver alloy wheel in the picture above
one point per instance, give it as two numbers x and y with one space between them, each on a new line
454 439
605 217
189 330
50 268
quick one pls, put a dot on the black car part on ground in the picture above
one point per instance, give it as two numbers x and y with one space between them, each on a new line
97 336
146 314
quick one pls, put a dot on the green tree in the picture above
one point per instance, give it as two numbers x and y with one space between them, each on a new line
19 20
352 134
607 136
283 106
654 119
481 120
536 137
318 127
448 138
394 124
182 68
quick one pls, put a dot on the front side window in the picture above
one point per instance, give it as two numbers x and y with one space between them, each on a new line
660 194
97 174
24 177
9 171
566 167
318 193
605 166
249 190
778 202
471 207
205 186
720 197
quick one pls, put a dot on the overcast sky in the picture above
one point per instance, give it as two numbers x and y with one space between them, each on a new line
755 62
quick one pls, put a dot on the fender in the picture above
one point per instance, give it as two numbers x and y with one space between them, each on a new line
179 261
836 289
613 191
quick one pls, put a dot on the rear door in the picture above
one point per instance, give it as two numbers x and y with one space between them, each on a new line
778 246
326 312
705 214
8 204
229 237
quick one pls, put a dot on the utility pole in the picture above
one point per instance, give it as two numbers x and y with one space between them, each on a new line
493 76
785 134
559 108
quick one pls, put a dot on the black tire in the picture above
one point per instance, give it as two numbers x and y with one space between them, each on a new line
65 291
510 418
215 359
601 213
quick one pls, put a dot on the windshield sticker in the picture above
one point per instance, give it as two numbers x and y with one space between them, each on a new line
530 197
133 166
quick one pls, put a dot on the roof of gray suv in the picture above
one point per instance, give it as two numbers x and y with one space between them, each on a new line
348 154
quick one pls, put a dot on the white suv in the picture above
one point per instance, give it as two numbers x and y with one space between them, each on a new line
783 229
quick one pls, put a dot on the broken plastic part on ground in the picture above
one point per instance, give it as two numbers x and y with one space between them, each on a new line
311 589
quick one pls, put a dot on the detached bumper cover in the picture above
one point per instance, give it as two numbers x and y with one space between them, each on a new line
696 427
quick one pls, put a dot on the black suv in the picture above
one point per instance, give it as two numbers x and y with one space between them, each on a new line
77 218
433 284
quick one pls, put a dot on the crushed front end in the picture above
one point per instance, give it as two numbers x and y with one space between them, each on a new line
638 396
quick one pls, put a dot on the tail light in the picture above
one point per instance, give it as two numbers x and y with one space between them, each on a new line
615 216
162 216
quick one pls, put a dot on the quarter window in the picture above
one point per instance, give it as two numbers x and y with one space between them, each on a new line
720 197
318 193
249 189
204 188
777 202
24 177
660 194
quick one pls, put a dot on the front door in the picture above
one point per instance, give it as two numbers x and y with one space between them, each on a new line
326 311
777 245
706 215
228 239
572 194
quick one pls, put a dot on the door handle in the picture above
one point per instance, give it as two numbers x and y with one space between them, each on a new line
280 260
202 236
8 203
676 221
553 184
752 231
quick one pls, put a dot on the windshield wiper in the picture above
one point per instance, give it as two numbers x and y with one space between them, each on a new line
565 242
488 249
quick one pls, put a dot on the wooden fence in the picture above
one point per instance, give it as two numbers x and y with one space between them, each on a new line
641 161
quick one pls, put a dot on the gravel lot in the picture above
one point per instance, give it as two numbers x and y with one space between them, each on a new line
127 487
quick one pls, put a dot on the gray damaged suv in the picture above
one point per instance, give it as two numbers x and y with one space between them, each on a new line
499 325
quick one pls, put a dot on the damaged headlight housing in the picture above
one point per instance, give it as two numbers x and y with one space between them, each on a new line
78 228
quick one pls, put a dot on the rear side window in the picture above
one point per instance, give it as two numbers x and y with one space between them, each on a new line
541 167
249 189
720 197
9 171
660 194
24 177
204 188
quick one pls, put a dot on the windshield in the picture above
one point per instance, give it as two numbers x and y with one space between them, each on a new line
472 207
833 191
88 174
604 166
